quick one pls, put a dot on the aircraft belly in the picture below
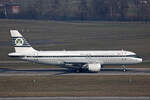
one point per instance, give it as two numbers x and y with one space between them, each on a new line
82 60
102 60
114 60
50 61
32 59
75 60
117 60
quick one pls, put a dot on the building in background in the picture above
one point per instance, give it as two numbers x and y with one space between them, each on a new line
9 8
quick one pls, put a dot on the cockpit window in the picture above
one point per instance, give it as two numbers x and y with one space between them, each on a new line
138 57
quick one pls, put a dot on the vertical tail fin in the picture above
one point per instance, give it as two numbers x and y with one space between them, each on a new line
20 44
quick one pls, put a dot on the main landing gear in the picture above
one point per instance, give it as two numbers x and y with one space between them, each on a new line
79 70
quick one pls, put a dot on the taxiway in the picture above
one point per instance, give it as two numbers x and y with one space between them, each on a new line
76 98
64 71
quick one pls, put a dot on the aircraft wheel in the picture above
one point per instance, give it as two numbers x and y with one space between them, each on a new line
124 69
79 70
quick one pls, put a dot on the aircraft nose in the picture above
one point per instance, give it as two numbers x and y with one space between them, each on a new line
139 60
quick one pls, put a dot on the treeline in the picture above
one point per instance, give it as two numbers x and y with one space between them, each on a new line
119 10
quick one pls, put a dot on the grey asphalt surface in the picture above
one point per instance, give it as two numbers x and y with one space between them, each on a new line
12 62
64 71
76 98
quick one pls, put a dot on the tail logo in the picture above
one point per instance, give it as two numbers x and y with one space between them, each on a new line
19 41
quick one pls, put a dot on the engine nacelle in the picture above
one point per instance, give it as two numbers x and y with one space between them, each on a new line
94 67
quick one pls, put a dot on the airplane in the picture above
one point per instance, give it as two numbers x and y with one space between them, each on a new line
90 60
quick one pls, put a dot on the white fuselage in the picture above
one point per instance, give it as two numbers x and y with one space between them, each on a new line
80 57
92 60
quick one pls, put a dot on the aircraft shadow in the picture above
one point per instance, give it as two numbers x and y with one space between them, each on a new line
62 71
57 70
113 69
31 70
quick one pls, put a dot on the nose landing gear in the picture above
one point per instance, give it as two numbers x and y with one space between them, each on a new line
124 68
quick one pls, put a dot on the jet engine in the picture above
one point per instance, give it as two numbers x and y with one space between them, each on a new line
94 67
